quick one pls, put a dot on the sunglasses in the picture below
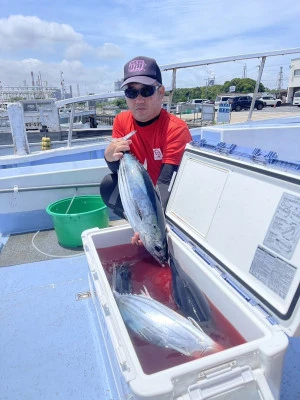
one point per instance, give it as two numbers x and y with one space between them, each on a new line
145 91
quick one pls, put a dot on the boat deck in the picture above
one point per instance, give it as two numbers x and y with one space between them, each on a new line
37 247
34 247
51 344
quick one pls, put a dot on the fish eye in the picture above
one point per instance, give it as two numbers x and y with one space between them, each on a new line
157 248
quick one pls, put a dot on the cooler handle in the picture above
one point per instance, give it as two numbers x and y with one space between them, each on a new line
213 386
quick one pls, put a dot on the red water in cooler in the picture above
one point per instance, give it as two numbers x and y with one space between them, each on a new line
145 271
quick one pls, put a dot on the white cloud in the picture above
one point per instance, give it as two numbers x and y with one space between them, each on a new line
82 50
97 40
78 50
18 31
109 51
99 79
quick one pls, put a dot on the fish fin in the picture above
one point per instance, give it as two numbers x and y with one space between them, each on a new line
195 323
145 292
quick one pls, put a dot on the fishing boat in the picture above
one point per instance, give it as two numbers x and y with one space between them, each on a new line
81 120
4 121
39 176
55 342
44 112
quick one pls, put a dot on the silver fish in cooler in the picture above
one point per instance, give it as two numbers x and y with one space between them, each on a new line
188 297
158 324
142 206
122 279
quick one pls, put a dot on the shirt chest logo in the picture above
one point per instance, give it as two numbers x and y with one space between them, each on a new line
157 154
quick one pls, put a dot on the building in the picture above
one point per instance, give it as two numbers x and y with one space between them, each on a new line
10 94
294 79
117 85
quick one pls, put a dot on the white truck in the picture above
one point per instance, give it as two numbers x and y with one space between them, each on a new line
296 99
194 105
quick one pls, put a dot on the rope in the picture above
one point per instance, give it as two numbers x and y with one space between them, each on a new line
51 255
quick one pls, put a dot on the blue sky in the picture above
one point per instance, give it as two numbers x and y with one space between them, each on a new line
90 41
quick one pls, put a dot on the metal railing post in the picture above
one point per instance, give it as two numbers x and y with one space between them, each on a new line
261 68
71 125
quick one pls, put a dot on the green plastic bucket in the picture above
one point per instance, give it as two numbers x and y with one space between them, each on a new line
74 215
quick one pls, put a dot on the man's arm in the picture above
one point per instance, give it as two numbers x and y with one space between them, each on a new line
164 180
113 165
114 152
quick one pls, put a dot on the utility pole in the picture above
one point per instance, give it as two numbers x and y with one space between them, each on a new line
62 82
245 71
279 80
206 86
1 97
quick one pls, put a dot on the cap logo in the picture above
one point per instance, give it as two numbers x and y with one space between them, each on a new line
136 66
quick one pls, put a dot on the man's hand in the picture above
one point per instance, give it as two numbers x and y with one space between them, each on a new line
136 239
115 150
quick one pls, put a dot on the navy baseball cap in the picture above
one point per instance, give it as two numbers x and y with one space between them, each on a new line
142 70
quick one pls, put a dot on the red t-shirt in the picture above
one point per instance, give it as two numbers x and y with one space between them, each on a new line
162 142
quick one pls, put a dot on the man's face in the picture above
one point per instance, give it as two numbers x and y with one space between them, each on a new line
145 108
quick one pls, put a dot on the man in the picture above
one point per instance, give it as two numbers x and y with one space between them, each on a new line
160 137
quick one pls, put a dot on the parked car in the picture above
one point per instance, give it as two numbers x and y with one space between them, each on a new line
222 99
270 101
172 107
239 103
199 101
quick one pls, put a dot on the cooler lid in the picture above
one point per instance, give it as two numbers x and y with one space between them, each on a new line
242 207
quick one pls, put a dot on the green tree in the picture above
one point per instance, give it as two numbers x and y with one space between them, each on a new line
121 103
205 92
242 85
17 98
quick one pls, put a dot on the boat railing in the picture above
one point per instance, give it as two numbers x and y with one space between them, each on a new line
50 187
191 64
81 99
106 119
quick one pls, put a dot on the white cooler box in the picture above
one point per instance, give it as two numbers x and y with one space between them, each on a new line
233 225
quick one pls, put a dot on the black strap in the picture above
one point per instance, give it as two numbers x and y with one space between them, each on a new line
163 182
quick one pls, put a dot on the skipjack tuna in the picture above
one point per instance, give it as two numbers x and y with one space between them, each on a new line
188 297
122 279
142 206
158 324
